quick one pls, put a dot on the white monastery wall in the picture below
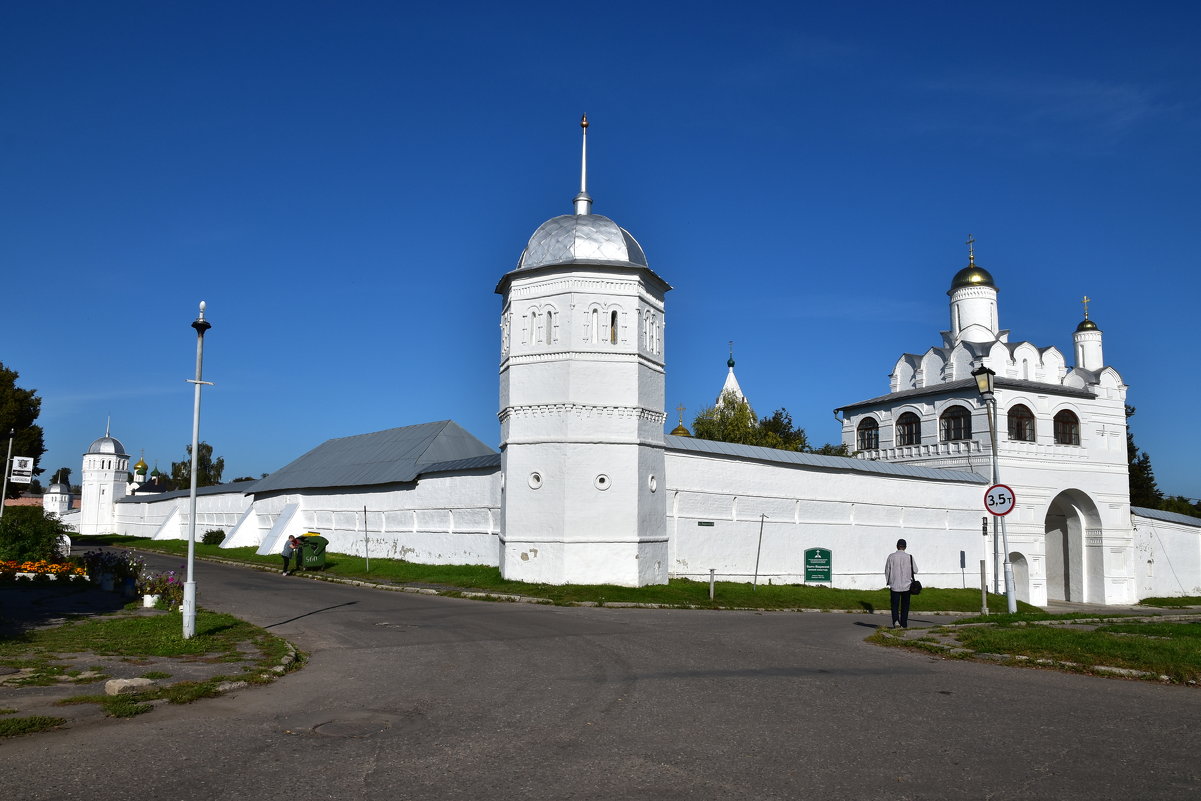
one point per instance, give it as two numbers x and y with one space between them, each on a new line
1167 558
811 507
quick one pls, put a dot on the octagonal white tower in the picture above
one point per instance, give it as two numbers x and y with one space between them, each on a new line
582 406
105 478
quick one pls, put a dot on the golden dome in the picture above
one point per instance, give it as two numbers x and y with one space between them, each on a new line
1087 325
972 275
140 467
680 431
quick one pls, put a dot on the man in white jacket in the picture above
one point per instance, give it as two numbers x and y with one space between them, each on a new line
898 575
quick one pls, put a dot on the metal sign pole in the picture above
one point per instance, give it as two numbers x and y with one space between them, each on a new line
7 465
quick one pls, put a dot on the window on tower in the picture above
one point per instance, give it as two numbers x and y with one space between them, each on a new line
613 328
909 429
1067 428
550 326
596 325
868 434
1021 424
955 424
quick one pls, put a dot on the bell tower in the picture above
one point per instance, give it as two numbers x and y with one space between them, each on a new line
582 405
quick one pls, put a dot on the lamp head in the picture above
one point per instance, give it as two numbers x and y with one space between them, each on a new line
984 380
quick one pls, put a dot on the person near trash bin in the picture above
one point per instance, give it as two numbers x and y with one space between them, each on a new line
292 546
899 570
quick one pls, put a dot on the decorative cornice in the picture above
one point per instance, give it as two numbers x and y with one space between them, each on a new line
583 411
603 353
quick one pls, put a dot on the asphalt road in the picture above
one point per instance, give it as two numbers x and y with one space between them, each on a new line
421 697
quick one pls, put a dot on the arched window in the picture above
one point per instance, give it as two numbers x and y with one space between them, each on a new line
954 424
533 328
596 325
909 429
1021 424
613 328
868 438
1067 428
550 326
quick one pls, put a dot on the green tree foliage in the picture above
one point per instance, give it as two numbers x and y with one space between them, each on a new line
19 408
208 472
1181 506
27 532
1143 489
62 476
731 420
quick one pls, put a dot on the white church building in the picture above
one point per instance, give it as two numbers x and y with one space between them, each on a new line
587 488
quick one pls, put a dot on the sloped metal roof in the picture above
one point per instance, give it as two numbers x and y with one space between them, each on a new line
840 463
1167 517
383 457
242 487
967 387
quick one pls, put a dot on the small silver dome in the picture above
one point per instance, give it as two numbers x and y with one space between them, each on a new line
59 489
108 445
587 238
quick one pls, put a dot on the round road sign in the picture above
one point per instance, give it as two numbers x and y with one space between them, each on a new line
999 500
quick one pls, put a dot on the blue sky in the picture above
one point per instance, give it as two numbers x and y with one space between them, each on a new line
344 184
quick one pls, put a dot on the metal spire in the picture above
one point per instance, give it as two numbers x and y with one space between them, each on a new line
971 249
1085 300
583 201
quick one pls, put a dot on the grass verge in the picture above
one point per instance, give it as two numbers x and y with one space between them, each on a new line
1173 603
1155 649
12 727
453 579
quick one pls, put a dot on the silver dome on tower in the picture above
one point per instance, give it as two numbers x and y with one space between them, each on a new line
582 237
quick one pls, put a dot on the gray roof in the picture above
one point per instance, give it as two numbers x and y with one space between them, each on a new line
242 487
1167 517
384 457
967 387
841 463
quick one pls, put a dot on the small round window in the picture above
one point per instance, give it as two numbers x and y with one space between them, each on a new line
602 482
535 480
653 483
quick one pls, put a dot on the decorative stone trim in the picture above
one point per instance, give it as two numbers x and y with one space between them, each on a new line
584 411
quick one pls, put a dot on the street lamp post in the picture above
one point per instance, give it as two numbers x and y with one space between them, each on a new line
984 384
189 588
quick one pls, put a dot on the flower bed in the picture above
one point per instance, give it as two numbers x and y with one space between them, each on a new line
11 570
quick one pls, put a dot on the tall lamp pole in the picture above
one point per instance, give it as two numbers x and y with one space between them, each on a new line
984 383
189 588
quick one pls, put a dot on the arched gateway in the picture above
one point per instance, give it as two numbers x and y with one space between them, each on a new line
1075 565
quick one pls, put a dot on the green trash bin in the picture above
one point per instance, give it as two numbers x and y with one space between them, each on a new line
313 551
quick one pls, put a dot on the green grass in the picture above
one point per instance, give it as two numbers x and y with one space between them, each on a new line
677 592
1173 603
1160 648
12 727
135 636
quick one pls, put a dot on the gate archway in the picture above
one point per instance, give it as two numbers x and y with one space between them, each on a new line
1071 575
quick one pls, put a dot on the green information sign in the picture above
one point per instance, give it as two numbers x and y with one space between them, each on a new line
817 565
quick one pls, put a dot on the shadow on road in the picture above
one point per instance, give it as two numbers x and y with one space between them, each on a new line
307 614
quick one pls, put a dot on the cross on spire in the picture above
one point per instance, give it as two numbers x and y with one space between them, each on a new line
971 249
1085 300
680 409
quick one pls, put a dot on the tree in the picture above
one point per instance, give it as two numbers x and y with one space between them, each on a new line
1181 506
208 472
731 420
19 409
1143 489
27 532
62 476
